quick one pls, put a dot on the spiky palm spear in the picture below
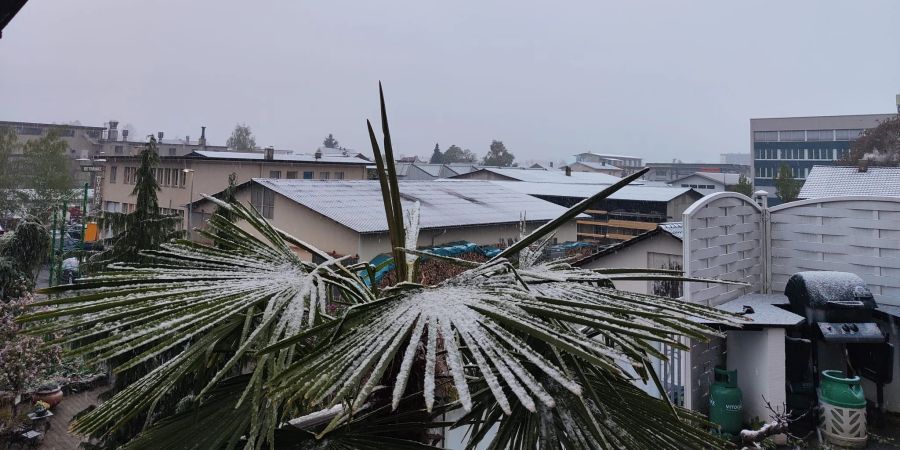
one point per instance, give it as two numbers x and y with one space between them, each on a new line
257 337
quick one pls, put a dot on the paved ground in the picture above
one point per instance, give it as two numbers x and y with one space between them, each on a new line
58 436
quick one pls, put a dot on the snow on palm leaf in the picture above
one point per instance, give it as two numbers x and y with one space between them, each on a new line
187 292
260 337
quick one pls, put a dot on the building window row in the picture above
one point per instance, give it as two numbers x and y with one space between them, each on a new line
699 186
806 135
825 154
163 176
292 174
772 172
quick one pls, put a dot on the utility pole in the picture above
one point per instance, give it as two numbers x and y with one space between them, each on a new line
83 221
190 205
62 239
52 246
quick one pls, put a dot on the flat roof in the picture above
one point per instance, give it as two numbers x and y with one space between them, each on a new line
766 310
41 124
358 204
551 176
630 192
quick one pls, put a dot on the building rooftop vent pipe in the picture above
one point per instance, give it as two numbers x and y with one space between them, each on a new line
568 171
269 153
202 141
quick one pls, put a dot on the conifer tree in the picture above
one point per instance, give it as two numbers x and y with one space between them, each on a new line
145 228
437 157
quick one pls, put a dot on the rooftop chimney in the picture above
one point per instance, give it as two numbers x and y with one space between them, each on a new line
187 140
318 154
551 164
113 133
863 166
898 103
202 141
159 136
125 134
568 171
269 153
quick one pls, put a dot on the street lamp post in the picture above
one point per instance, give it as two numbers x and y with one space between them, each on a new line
190 204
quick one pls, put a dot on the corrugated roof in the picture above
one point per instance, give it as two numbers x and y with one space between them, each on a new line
644 193
553 176
331 159
608 155
840 181
724 178
596 165
358 204
431 169
674 228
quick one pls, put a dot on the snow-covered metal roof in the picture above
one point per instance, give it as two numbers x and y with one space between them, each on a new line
553 176
644 193
299 157
358 204
723 178
431 169
608 155
674 228
766 310
841 181
598 166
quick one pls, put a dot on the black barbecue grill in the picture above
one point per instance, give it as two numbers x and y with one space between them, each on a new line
839 310
837 305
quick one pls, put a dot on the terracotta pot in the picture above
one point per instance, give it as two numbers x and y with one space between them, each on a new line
51 397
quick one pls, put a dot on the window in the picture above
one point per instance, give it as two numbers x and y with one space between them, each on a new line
167 177
112 174
291 174
765 136
323 175
64 132
846 135
172 151
274 174
339 175
113 206
182 179
820 153
766 153
795 135
307 175
820 135
32 131
119 150
263 200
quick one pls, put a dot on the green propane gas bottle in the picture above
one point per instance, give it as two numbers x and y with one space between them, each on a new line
726 406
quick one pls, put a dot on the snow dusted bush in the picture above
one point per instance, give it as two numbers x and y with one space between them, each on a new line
24 360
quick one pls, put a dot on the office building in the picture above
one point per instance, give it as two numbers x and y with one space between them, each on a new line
803 142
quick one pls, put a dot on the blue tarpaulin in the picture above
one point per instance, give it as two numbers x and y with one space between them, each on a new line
385 262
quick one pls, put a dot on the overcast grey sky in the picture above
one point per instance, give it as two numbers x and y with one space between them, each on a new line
657 79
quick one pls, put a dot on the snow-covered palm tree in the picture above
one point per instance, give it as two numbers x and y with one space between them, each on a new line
243 344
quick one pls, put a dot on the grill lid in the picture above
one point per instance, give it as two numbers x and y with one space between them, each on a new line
828 289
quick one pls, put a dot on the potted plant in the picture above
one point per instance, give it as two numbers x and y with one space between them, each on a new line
40 408
49 393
